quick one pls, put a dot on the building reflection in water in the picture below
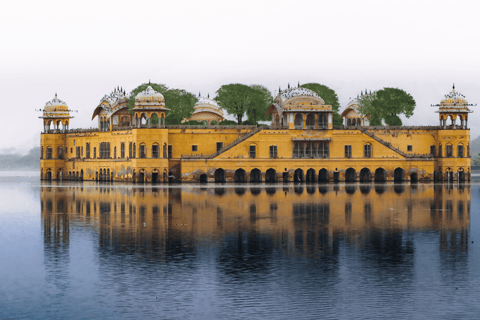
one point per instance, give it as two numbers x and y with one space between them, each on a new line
250 223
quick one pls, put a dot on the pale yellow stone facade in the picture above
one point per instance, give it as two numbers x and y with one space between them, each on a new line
301 144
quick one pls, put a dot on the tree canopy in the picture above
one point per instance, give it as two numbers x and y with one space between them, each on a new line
179 101
387 104
238 99
329 96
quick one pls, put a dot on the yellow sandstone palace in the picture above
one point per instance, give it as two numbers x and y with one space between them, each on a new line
301 144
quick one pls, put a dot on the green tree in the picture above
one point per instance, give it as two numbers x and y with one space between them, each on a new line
329 96
180 102
238 99
365 106
261 98
387 104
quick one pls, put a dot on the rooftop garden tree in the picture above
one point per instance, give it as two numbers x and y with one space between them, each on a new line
387 104
239 99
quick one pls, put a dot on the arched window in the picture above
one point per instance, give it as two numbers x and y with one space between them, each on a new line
49 153
322 121
449 150
155 150
460 151
367 150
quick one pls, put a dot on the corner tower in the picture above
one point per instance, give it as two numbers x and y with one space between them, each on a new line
453 106
52 141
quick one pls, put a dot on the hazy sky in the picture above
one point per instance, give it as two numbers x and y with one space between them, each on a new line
83 49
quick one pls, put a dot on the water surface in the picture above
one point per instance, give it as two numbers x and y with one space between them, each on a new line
94 250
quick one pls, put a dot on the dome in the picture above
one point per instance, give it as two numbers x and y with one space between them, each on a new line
298 92
55 105
454 99
206 104
149 97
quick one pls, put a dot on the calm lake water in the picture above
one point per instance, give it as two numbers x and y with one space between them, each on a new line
89 250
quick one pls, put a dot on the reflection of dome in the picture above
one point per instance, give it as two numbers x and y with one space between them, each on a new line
454 99
55 105
150 97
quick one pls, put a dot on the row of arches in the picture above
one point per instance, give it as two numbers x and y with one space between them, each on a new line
153 120
59 125
271 175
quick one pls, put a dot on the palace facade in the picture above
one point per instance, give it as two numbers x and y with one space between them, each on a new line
301 144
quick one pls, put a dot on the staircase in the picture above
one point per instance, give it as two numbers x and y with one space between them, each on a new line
228 146
389 145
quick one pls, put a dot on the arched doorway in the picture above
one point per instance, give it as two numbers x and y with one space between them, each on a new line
298 121
311 176
365 175
350 175
255 175
271 175
220 175
310 121
461 176
414 177
240 176
380 175
323 175
154 176
298 177
398 174
81 175
203 178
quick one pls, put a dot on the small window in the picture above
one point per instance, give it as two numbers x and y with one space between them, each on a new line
155 151
273 152
73 141
94 152
409 148
253 151
219 146
194 148
71 150
432 151
60 153
115 152
87 150
367 151
460 151
130 149
449 151
143 151
122 150
440 152
348 151
170 151
49 153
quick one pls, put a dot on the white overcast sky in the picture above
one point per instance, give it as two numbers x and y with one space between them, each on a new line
83 49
